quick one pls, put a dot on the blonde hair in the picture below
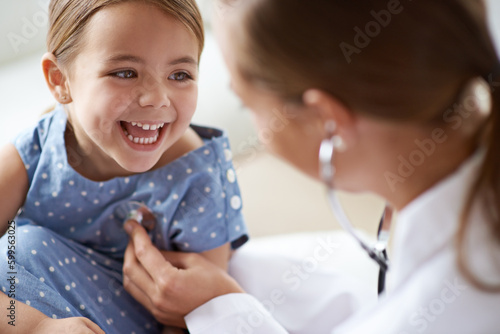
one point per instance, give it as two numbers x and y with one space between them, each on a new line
406 64
68 19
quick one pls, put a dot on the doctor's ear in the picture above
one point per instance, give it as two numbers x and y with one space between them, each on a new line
331 110
55 78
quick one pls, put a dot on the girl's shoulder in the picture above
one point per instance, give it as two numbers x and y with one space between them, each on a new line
197 141
43 135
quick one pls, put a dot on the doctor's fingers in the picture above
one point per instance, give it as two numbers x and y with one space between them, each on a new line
140 285
185 260
134 272
166 314
147 254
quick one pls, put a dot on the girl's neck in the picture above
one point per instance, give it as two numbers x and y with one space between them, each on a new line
89 161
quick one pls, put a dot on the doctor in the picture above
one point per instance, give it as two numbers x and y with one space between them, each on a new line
408 93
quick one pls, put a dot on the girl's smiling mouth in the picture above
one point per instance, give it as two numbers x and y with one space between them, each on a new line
142 133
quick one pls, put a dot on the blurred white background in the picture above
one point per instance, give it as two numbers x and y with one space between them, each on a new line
276 198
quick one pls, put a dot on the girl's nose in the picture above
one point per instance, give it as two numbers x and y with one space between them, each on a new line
155 94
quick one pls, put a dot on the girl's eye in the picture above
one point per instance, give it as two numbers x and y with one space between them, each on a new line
180 76
127 74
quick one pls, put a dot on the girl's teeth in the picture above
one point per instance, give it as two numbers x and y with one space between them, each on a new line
144 141
148 126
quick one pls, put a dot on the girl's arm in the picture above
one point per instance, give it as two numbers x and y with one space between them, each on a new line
21 315
13 190
219 256
17 317
13 185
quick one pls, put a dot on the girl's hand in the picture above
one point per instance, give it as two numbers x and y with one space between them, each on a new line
67 326
170 284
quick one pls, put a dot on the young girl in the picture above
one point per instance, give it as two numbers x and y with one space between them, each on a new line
125 76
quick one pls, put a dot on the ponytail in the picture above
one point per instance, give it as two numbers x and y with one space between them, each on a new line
487 186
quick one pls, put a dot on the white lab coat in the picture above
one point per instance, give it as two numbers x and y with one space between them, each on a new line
426 291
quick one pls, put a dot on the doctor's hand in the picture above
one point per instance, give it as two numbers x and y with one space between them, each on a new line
170 284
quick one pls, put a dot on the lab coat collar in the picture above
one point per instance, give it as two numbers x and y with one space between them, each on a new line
430 222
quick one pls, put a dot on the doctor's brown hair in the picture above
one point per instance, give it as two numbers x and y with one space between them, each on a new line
68 19
403 61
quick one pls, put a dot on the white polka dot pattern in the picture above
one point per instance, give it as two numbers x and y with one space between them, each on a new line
195 198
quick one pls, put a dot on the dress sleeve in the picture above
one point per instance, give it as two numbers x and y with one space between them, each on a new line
209 214
232 313
29 145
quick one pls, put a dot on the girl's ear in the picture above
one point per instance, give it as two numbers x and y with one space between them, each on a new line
55 78
329 108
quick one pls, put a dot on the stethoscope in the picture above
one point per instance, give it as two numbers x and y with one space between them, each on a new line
327 171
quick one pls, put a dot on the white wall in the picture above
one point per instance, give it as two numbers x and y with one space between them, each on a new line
23 27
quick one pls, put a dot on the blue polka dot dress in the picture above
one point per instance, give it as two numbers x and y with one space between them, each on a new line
69 237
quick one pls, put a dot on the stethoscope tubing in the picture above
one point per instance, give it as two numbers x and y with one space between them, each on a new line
378 251
327 172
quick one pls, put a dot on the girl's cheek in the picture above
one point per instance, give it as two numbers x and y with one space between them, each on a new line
188 103
121 101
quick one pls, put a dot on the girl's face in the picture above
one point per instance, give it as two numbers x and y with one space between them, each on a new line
133 86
